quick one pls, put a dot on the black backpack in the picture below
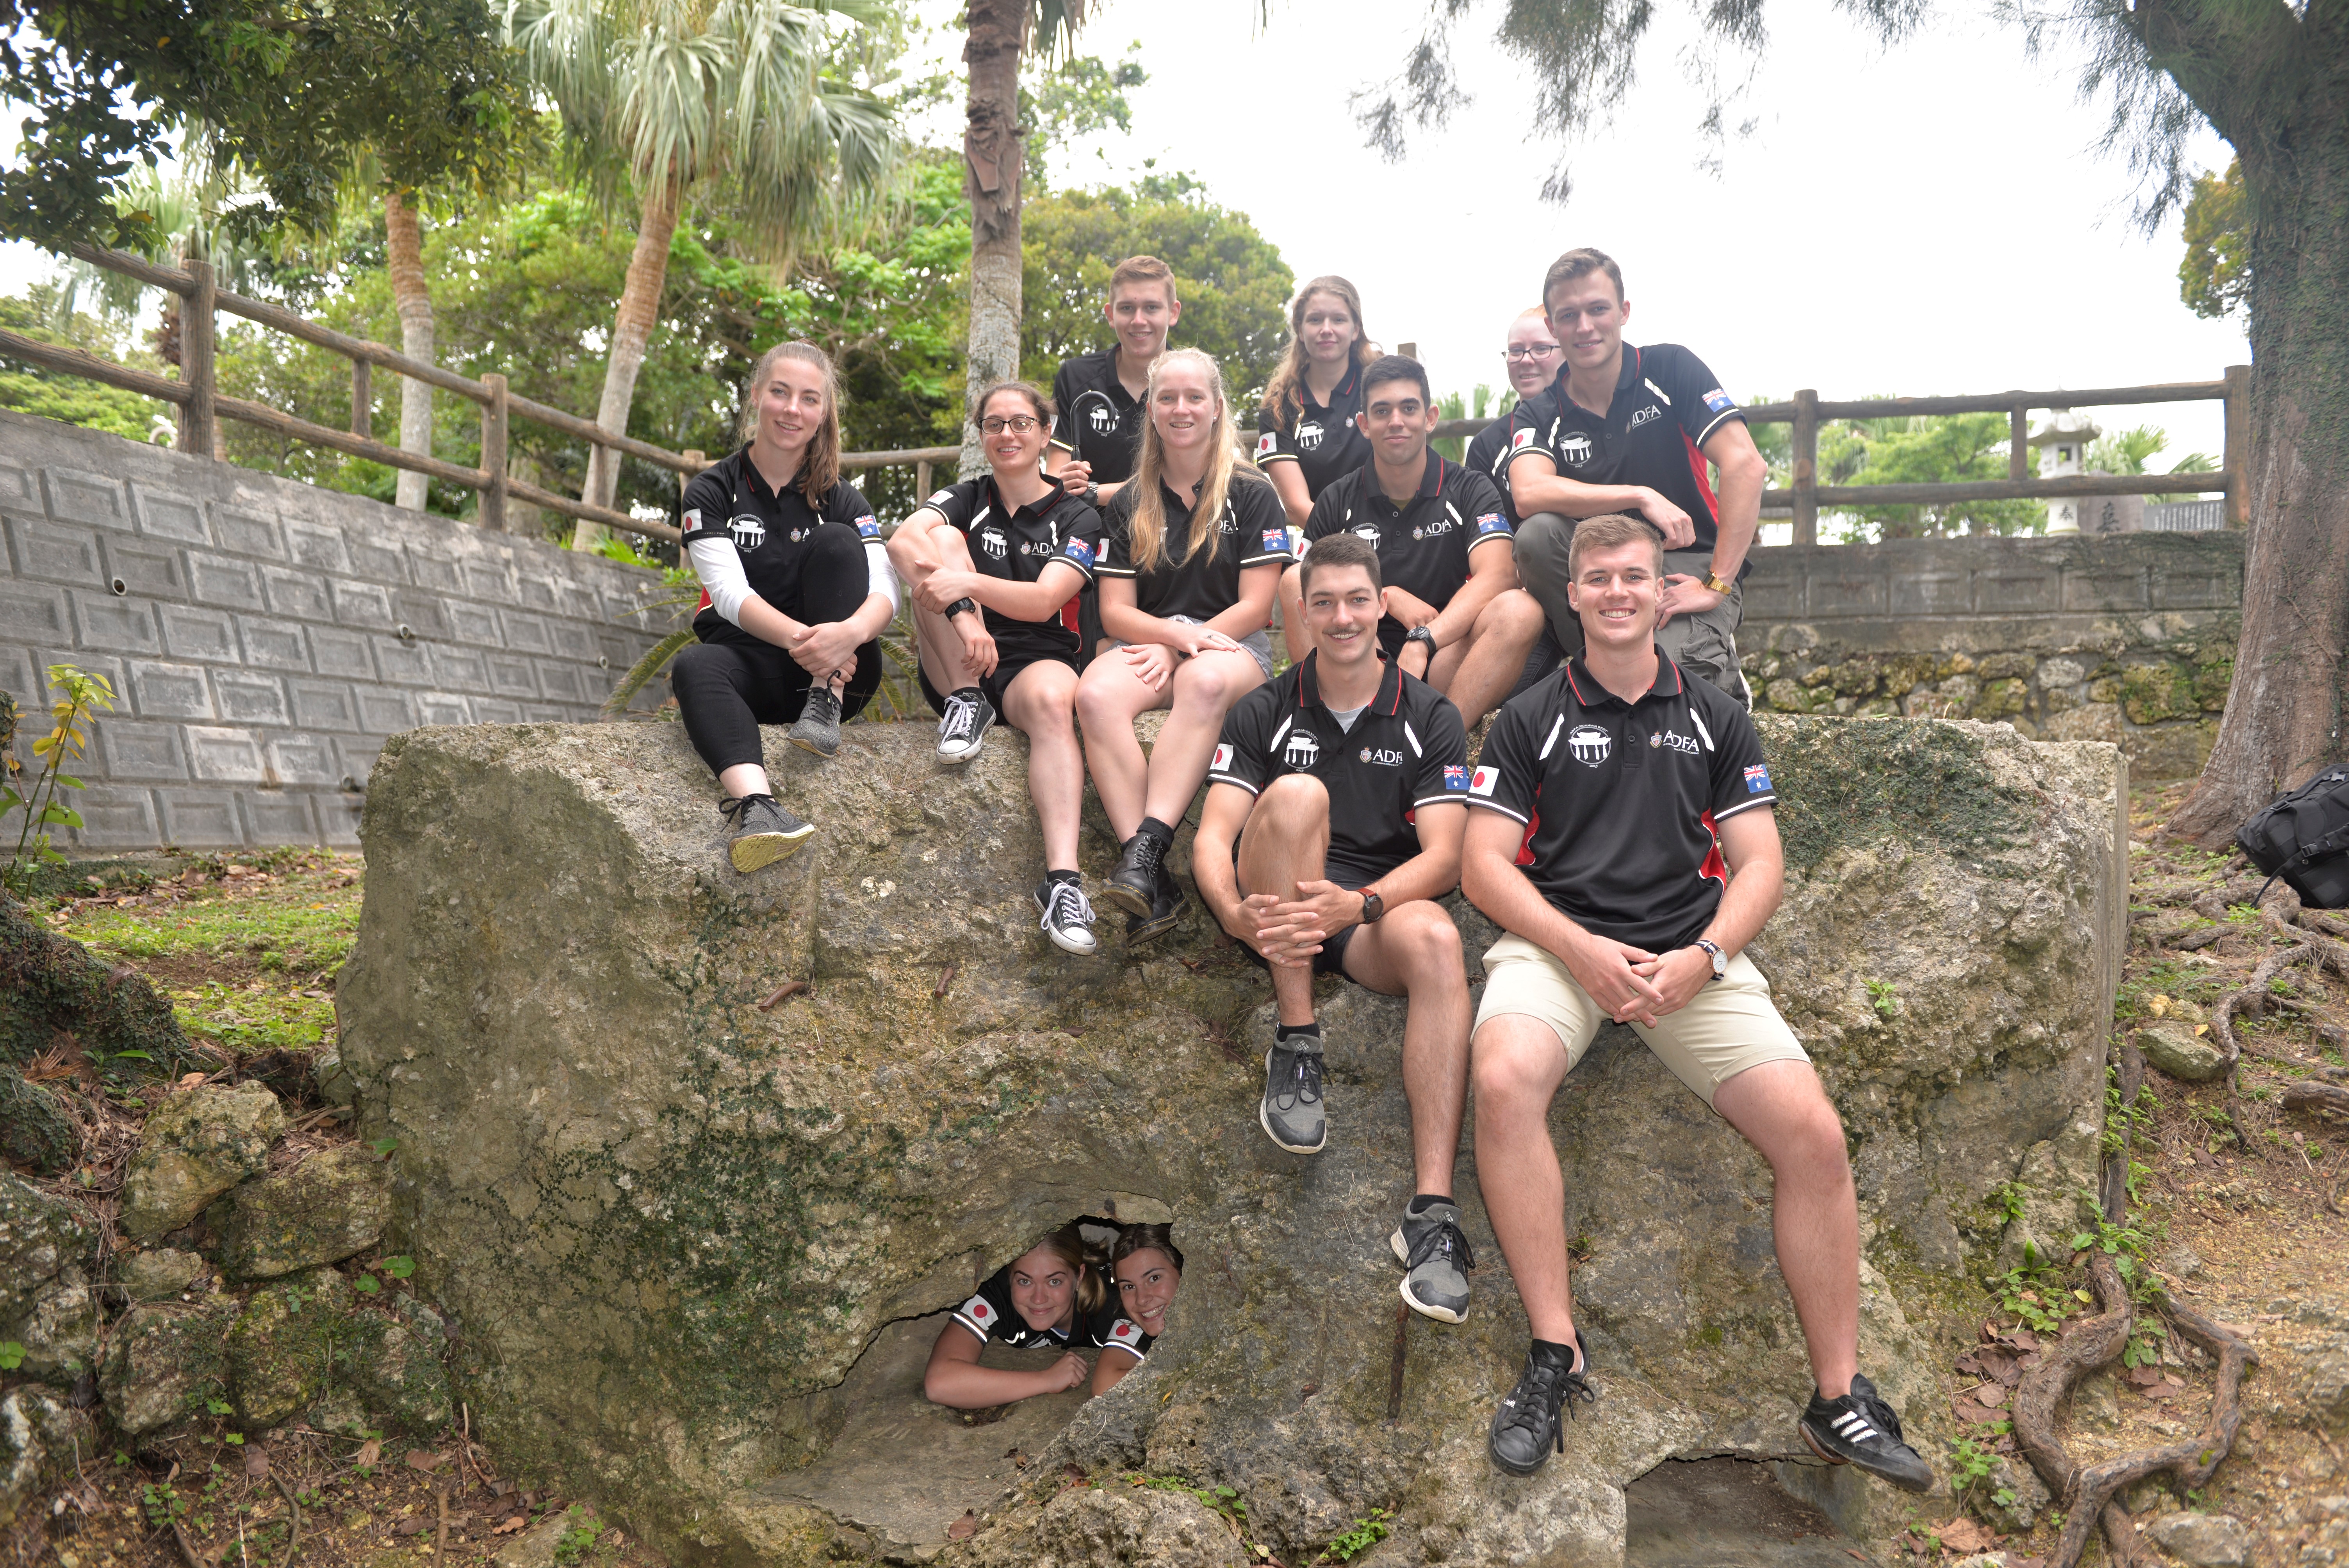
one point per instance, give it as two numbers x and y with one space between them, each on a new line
2302 835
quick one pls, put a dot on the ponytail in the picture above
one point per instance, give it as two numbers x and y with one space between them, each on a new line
1088 1260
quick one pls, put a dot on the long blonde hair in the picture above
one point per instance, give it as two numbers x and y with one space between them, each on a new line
1284 393
1146 526
820 468
1088 1263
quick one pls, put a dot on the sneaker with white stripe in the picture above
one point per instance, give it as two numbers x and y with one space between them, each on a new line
1861 1430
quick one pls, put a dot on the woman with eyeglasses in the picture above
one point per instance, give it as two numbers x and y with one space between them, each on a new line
1532 360
993 561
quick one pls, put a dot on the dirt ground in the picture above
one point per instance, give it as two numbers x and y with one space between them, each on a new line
2238 1207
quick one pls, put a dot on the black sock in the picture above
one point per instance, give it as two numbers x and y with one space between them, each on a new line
1569 1353
968 693
1158 830
1063 876
1421 1203
1287 1034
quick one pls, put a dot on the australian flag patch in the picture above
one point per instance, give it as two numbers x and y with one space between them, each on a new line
1455 779
1757 778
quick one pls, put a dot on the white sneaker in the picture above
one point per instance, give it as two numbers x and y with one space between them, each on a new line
964 727
1068 917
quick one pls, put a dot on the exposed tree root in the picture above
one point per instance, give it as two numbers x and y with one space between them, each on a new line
2324 1096
2089 1491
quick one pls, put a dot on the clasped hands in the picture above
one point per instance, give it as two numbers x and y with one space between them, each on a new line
1632 983
1289 932
1152 664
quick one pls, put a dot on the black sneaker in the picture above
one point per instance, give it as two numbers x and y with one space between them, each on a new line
818 729
1068 917
963 727
1861 1430
1435 1252
1292 1112
1526 1428
1165 910
763 831
1133 886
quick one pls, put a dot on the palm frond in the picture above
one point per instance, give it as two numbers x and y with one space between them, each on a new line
641 673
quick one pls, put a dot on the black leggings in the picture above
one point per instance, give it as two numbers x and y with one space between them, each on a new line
726 690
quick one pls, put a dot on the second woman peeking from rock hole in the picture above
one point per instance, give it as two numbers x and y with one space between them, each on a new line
1057 1294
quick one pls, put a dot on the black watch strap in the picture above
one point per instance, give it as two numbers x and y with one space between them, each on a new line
962 605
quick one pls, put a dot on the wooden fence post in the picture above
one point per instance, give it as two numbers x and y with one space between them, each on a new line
492 513
921 482
199 426
362 401
2018 443
2238 459
1806 466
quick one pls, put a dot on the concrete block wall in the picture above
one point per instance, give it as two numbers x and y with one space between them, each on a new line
2128 637
264 636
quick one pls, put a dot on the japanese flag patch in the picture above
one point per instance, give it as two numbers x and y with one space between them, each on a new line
1265 445
1079 552
1484 781
1222 762
941 496
1125 1335
1520 439
1455 780
978 1314
692 521
1757 778
867 528
1491 523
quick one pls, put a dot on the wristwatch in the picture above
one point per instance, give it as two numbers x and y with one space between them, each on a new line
1713 581
1374 906
1720 959
1422 634
965 604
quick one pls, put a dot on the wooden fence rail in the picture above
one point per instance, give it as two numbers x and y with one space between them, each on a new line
200 405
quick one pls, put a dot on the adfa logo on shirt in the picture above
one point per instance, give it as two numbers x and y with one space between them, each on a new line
1104 418
1308 435
1574 449
1302 750
747 532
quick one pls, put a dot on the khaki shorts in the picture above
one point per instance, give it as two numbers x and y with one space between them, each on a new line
1728 1026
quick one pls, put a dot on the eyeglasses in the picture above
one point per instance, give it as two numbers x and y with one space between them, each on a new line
1022 423
1531 351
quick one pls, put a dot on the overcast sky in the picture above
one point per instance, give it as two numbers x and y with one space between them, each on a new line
1929 218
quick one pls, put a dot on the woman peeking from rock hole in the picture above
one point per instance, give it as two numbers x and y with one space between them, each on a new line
1057 1294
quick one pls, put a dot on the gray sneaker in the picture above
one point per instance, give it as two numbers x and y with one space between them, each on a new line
818 729
1291 1113
763 831
1433 1249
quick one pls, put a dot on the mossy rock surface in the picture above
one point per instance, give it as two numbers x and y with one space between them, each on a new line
195 1146
287 1344
164 1362
333 1205
672 1224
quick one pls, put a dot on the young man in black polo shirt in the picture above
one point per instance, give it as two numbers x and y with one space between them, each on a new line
1530 356
1622 836
1454 614
1631 429
1332 822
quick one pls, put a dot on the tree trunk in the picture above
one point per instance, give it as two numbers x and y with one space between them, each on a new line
2284 707
992 158
632 328
404 250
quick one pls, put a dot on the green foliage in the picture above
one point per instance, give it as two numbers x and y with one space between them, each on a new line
399 1267
2008 1198
12 1354
1883 1000
2130 451
2214 278
1365 1534
1077 96
580 1529
295 91
44 315
2036 1296
80 696
1924 449
1231 280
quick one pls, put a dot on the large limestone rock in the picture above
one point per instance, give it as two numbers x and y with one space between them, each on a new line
46 1304
332 1206
165 1364
282 1346
677 1228
196 1146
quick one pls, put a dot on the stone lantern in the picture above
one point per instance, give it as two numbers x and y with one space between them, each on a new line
2062 444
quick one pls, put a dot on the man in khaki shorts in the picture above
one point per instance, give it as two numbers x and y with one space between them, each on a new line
1620 832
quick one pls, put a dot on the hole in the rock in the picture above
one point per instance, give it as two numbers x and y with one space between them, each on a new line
1709 1513
912 1447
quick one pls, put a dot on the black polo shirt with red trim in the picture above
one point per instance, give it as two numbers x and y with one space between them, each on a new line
1406 749
1253 532
1098 420
1320 439
1622 801
1489 455
991 1314
1666 405
729 501
1016 543
1425 546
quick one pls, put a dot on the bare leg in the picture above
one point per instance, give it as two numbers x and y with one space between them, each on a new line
1205 686
744 778
1477 671
1784 1112
1108 699
1292 615
940 651
1415 952
1518 1062
1286 842
1041 702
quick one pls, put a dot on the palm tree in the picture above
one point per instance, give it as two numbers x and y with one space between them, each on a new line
403 238
675 95
992 160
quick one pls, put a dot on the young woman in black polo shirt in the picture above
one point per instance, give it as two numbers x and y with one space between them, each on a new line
1146 1267
991 561
1306 434
1055 1296
795 588
1191 554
